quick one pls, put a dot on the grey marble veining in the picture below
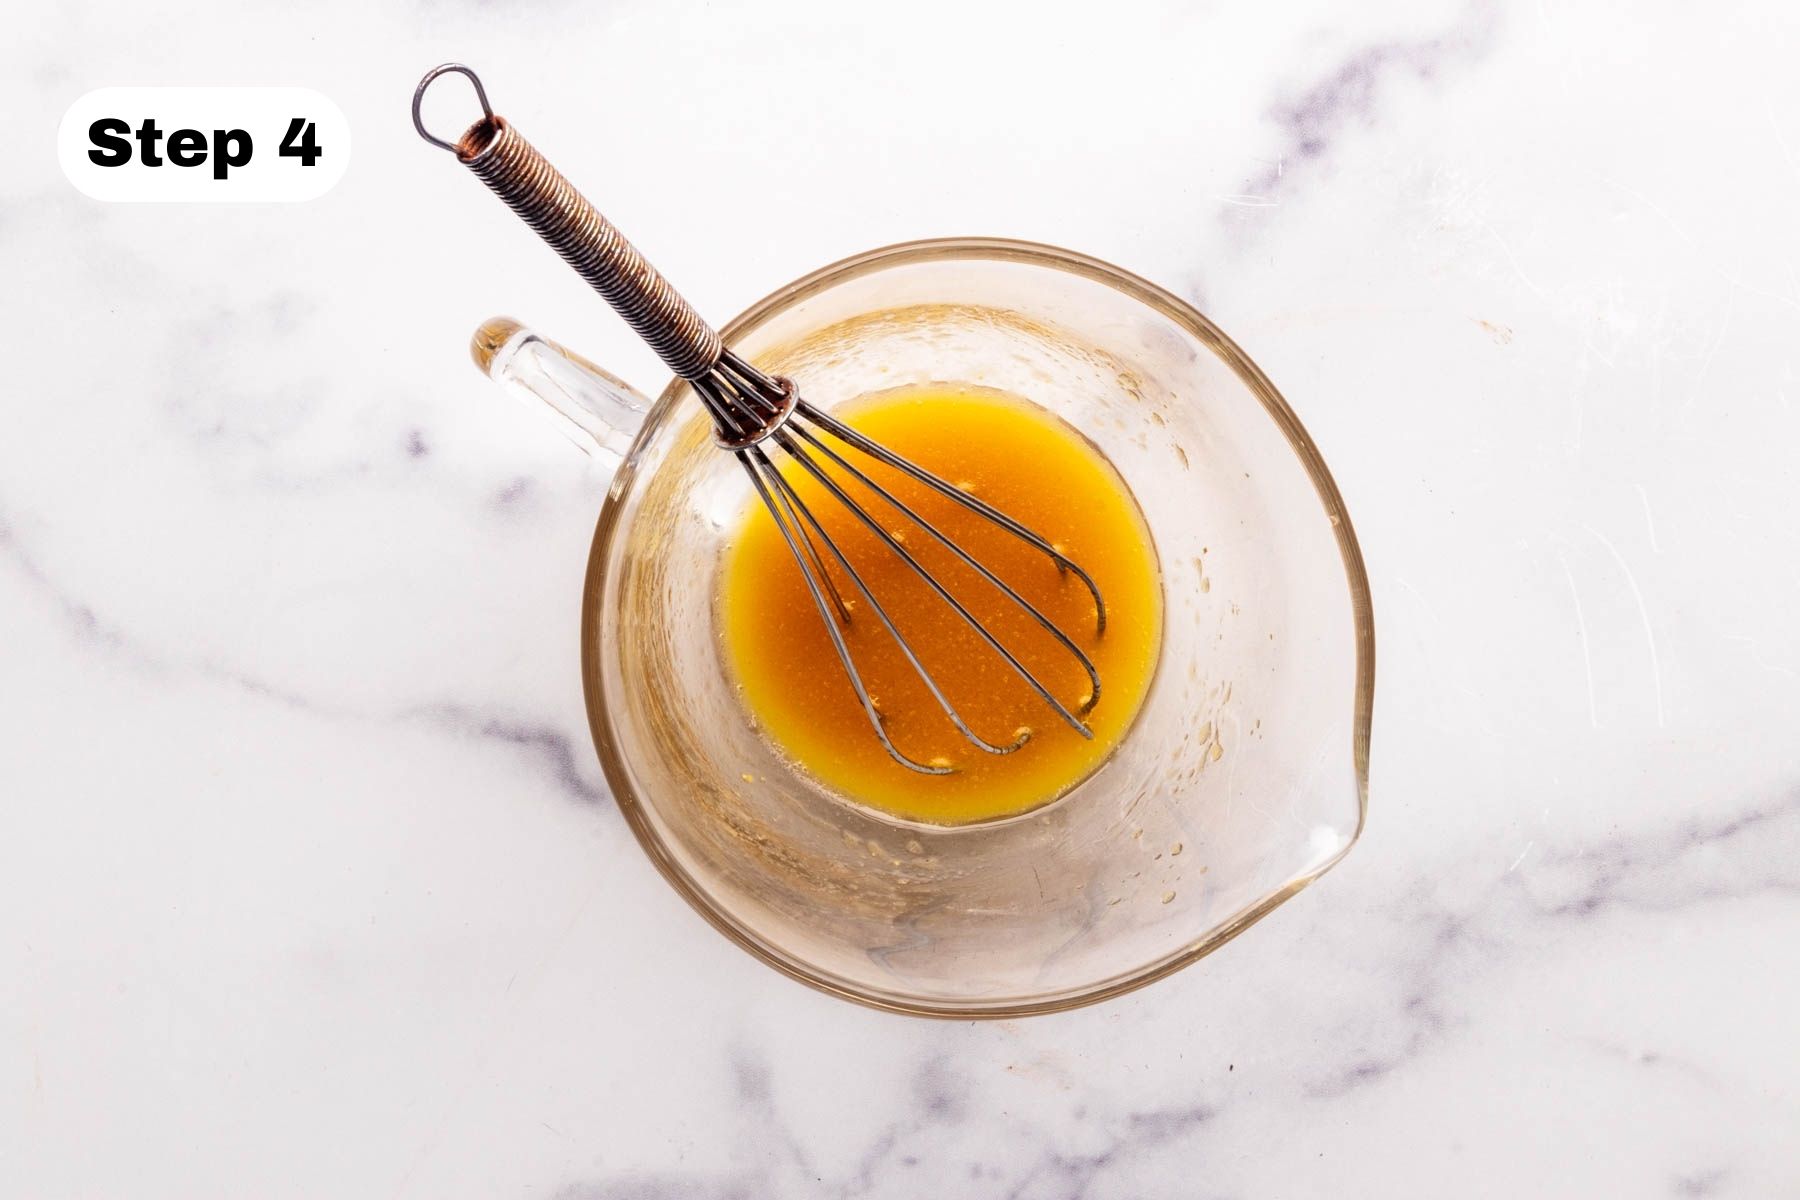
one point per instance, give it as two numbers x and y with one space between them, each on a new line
309 880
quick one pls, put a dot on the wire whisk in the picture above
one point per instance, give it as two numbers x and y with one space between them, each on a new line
751 410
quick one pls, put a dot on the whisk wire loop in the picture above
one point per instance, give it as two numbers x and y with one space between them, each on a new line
776 501
936 585
792 501
981 569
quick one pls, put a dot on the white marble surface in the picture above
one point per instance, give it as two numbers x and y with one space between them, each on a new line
309 884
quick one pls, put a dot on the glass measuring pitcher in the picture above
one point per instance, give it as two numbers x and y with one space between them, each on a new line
1245 775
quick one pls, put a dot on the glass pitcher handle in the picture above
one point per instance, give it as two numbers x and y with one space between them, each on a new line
595 409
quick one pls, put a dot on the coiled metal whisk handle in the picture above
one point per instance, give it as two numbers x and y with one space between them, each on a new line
575 229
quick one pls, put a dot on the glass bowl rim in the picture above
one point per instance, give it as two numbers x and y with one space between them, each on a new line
1182 314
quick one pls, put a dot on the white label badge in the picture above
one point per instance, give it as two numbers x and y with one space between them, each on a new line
201 144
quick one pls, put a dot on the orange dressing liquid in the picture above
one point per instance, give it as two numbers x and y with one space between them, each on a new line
1031 466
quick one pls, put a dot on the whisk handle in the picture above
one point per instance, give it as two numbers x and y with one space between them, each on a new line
590 243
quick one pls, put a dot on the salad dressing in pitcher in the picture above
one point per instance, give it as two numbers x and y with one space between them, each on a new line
1027 463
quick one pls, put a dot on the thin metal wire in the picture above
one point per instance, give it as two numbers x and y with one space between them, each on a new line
882 454
749 409
419 100
739 408
887 622
1031 609
937 587
863 698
